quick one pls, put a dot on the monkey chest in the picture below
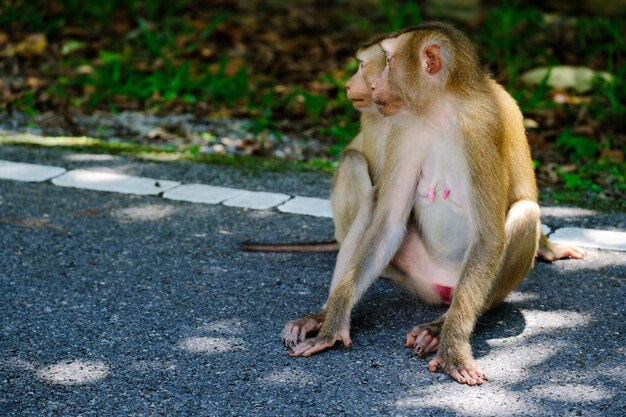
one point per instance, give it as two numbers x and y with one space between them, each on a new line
442 205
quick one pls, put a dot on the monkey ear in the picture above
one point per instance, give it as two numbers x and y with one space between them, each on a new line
432 59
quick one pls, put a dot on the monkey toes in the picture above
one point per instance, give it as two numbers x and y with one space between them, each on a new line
424 338
555 252
297 330
467 373
317 344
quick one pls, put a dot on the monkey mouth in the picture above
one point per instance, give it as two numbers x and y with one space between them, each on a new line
360 102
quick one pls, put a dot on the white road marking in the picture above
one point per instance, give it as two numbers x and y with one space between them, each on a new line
590 238
19 171
118 183
201 193
309 206
256 200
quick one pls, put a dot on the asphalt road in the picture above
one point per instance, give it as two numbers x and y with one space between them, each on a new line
117 305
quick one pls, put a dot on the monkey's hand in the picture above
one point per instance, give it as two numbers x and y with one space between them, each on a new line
463 371
321 342
297 330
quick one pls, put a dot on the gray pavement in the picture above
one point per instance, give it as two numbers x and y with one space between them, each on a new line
120 305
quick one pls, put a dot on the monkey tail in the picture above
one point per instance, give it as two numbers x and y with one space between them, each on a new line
290 247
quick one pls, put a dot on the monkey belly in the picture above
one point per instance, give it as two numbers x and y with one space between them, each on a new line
430 278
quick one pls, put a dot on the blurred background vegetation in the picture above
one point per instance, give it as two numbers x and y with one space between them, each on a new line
281 66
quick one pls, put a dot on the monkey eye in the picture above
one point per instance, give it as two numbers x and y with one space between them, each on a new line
388 59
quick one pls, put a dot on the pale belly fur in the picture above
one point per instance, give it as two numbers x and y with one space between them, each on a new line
434 250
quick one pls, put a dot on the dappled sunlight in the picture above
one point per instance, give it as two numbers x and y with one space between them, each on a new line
210 345
73 372
566 212
511 362
571 393
87 157
145 212
483 401
538 322
290 377
520 297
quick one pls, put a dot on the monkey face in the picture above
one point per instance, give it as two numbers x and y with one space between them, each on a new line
371 63
384 96
358 91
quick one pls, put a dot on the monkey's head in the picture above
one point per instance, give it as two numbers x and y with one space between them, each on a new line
423 63
358 88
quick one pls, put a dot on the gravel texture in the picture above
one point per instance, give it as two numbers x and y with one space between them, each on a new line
118 305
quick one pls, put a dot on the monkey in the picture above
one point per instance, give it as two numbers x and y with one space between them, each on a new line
362 160
455 208
346 200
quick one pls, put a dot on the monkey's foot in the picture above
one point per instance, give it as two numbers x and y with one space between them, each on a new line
296 331
317 344
466 373
554 252
424 338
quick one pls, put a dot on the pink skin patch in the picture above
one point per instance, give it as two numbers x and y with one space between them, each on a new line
446 192
445 293
431 193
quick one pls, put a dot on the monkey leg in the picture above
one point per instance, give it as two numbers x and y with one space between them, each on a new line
351 185
549 251
424 338
522 230
522 234
297 330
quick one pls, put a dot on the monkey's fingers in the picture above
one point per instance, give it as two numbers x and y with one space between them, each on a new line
312 346
296 331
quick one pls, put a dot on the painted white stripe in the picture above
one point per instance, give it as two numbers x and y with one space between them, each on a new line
309 206
19 171
257 200
200 193
590 238
118 183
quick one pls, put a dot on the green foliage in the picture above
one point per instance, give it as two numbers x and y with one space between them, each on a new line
402 15
577 147
156 64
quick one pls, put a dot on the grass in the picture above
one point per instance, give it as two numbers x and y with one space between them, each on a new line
167 153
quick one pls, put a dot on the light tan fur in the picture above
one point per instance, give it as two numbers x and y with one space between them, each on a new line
448 122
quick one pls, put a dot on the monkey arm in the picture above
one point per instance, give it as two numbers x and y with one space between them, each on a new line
353 239
377 242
